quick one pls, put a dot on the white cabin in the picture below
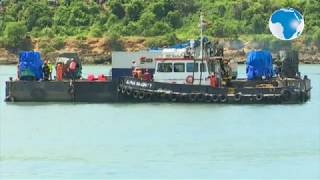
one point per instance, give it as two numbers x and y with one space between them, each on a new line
179 70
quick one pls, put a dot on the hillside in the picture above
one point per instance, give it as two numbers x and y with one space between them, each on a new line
95 28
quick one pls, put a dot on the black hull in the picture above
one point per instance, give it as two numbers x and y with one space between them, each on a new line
128 89
60 91
292 91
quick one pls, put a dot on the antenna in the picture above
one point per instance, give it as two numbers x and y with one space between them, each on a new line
201 34
201 45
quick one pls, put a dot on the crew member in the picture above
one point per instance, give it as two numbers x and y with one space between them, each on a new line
137 73
72 68
59 72
147 75
213 80
50 70
45 70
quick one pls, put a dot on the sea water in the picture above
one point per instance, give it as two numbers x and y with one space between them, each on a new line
159 140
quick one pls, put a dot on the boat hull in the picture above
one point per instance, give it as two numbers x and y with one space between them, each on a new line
238 92
60 91
128 89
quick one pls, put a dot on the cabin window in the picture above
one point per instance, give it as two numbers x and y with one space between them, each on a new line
203 67
164 67
179 67
192 68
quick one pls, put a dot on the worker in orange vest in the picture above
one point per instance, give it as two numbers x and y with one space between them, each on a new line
213 80
59 72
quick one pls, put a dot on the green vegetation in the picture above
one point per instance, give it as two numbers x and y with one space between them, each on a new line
168 20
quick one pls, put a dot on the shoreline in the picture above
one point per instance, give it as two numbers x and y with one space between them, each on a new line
107 60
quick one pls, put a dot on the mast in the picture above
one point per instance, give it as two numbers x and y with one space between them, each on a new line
201 45
201 35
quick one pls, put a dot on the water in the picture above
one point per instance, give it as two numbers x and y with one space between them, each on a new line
105 141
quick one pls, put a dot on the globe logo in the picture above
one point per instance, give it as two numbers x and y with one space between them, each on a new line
286 23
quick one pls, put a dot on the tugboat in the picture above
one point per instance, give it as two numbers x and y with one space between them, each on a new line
209 77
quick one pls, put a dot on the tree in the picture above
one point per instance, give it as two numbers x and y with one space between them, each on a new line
186 6
175 19
316 37
159 28
15 34
117 9
36 14
161 8
134 10
145 22
258 24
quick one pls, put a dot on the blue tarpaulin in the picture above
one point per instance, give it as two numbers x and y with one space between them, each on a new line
30 64
259 64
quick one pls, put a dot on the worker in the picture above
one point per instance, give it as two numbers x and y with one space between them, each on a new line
18 71
59 72
137 73
213 80
45 70
73 68
146 75
50 70
133 67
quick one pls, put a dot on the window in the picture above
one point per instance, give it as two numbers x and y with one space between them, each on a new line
191 67
179 67
203 67
164 67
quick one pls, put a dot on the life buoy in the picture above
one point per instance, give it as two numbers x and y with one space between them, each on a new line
119 89
147 95
208 98
136 94
259 97
285 94
237 97
192 97
128 91
141 95
201 97
222 98
189 79
173 97
123 90
121 83
215 98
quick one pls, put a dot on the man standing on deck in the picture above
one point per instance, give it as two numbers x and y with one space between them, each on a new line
73 68
50 70
45 71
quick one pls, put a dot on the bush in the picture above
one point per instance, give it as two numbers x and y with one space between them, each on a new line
316 37
47 32
175 19
115 42
134 10
96 31
14 34
159 28
58 43
117 9
45 46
